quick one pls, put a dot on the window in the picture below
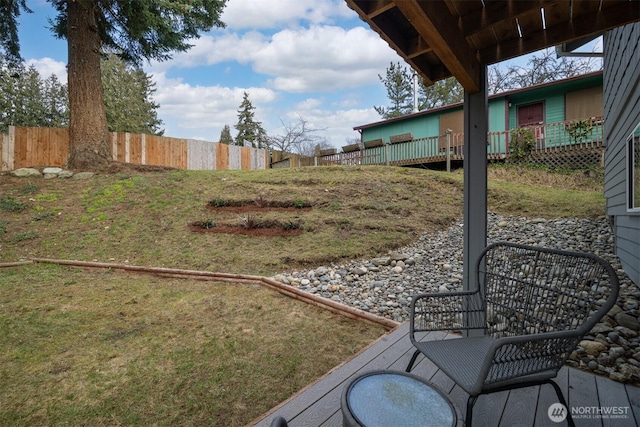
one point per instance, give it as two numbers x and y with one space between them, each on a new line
633 169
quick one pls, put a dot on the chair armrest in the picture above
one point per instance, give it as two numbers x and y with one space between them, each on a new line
511 358
447 311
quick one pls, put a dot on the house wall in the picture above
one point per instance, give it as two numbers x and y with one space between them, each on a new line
622 114
553 96
421 127
502 112
497 116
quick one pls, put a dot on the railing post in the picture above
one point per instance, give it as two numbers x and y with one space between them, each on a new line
448 132
386 154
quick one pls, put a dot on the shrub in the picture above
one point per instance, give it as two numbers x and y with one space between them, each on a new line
523 141
219 202
10 204
579 130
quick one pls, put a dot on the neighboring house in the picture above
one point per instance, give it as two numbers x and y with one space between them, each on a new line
550 109
622 155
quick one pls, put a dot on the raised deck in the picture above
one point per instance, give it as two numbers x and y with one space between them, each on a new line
319 403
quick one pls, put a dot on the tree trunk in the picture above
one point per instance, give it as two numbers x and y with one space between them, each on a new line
89 146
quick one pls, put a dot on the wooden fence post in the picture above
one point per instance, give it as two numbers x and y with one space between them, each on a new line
8 149
143 150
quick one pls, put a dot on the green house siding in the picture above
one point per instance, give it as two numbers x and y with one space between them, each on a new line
497 123
420 127
496 115
503 110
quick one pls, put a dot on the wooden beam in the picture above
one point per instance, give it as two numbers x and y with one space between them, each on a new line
433 21
581 26
499 11
417 46
375 8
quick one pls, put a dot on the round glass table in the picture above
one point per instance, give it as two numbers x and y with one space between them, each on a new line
388 398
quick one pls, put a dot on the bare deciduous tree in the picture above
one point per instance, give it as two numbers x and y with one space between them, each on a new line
298 138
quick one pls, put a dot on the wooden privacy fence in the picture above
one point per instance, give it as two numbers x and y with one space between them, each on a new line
28 147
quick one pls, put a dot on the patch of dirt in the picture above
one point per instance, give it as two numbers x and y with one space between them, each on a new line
254 232
120 167
254 208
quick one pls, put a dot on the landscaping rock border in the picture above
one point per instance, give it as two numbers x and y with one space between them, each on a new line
384 285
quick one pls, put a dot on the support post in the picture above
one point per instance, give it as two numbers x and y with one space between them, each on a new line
448 132
476 127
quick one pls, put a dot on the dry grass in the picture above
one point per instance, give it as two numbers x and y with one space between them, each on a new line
88 347
99 347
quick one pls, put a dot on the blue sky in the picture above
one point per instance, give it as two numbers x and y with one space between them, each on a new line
309 58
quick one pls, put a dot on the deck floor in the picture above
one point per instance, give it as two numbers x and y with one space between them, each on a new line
319 403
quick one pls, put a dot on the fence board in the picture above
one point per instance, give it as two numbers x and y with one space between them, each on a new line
8 151
201 155
222 159
61 150
245 158
234 157
135 149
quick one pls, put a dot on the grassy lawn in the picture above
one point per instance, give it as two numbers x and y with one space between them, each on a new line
101 347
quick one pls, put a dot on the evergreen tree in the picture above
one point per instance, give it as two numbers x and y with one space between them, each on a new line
135 29
441 93
56 103
28 100
225 136
127 98
250 132
399 92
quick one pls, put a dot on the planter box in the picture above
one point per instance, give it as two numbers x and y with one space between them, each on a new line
350 148
374 143
327 152
403 137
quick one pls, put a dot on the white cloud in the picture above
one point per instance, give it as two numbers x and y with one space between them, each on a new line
315 59
202 111
48 66
323 58
265 14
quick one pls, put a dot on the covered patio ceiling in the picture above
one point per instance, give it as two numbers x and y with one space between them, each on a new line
444 38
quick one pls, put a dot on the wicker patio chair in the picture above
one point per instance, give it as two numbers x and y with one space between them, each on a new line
532 308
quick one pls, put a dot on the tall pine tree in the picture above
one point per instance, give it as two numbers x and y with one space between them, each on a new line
135 29
26 99
399 92
127 98
250 132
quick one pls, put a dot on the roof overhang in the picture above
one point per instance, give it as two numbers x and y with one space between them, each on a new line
444 38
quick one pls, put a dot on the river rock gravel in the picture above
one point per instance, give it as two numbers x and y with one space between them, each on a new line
384 285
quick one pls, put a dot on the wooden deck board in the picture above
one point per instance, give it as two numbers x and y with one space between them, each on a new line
633 393
547 397
520 407
610 394
319 403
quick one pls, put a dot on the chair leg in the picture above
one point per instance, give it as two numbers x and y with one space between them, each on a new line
412 361
562 400
469 415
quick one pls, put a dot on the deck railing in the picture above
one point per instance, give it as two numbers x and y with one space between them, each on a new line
553 137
